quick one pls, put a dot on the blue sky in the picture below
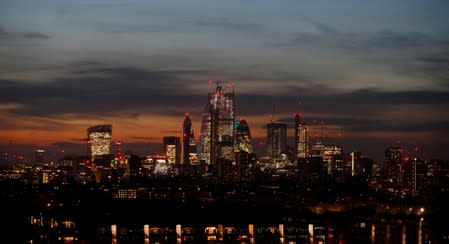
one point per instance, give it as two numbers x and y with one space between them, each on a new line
374 72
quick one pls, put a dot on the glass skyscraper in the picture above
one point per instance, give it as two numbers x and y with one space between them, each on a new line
100 140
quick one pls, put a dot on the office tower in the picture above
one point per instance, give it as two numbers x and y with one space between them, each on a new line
331 154
172 149
217 130
301 137
118 150
39 156
276 139
193 154
100 140
186 138
243 137
393 164
317 149
204 141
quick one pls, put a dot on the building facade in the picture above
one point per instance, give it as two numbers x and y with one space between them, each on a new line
217 128
301 137
99 137
172 149
276 139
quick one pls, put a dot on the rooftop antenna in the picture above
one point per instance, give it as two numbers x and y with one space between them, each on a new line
272 114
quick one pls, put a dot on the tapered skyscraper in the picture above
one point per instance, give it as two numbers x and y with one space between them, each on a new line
243 137
186 139
217 129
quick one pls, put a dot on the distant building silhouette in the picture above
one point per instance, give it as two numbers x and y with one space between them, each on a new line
276 139
39 153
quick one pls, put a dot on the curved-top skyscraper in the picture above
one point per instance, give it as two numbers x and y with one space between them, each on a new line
100 140
243 137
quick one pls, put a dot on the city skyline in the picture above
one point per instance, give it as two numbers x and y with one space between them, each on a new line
375 74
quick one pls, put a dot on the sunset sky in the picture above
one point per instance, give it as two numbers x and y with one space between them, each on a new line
365 74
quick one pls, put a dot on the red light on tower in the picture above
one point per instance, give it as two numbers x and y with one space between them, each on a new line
230 84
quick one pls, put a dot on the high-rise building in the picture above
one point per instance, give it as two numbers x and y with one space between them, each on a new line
331 153
392 167
243 137
39 156
186 138
193 154
118 151
172 149
217 129
100 140
301 137
276 139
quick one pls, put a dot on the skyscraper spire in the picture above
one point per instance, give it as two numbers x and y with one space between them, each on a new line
186 138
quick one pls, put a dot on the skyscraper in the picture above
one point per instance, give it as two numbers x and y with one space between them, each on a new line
301 137
217 129
204 141
392 168
100 140
186 139
172 149
193 154
243 137
39 156
276 139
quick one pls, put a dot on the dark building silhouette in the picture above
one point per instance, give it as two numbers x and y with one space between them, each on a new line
186 139
276 139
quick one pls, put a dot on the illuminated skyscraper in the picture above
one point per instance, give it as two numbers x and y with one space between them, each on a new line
100 140
331 154
186 138
276 139
172 149
243 137
193 154
301 137
217 130
392 168
204 142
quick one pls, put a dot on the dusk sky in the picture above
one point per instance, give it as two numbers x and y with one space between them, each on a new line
374 73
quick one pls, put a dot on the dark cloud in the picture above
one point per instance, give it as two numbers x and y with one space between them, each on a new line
103 90
321 27
17 36
440 127
435 66
386 43
326 100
